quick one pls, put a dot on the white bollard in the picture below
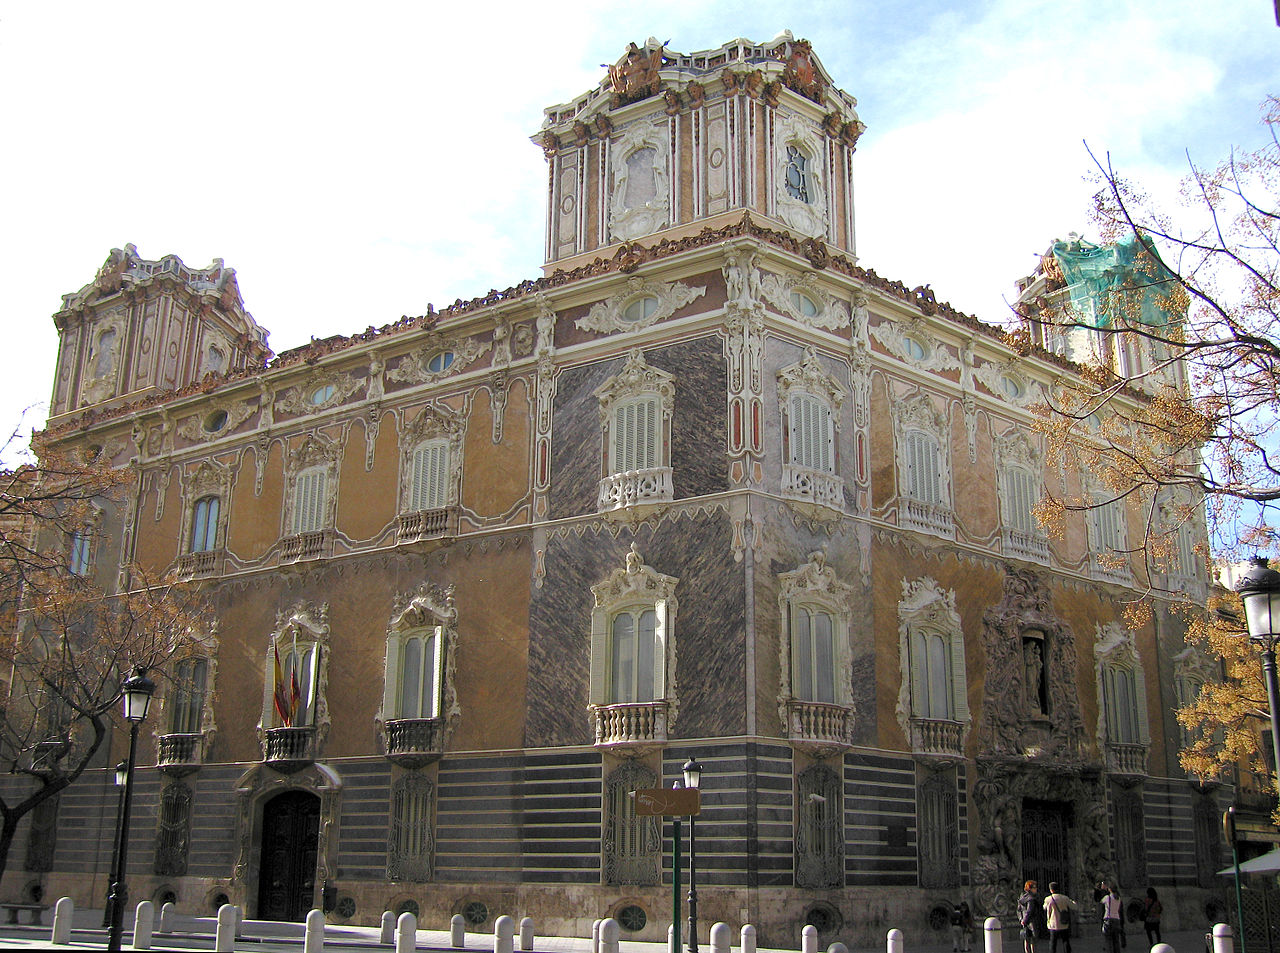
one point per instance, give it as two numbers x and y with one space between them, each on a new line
526 934
63 912
894 941
1162 948
748 938
228 925
719 938
671 939
595 936
313 934
1223 938
458 931
387 935
504 935
239 921
809 939
837 947
144 923
167 912
406 933
610 935
992 937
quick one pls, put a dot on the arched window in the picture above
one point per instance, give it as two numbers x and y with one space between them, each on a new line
204 525
1120 704
633 672
1022 492
421 668
813 655
797 174
932 682
923 481
309 501
429 489
933 707
1122 719
81 547
635 413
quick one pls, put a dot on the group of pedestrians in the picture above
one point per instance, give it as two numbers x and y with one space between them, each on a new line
1054 913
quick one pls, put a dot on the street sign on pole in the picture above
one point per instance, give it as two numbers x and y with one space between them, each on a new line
668 802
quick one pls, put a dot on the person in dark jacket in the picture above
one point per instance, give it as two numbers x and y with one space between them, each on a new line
1029 914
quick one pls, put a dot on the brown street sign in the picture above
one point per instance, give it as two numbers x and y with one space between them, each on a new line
678 802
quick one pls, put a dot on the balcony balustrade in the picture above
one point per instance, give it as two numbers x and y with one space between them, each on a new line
814 486
928 518
290 748
819 726
635 487
180 753
636 724
1029 546
200 565
305 546
1126 758
937 736
427 524
413 742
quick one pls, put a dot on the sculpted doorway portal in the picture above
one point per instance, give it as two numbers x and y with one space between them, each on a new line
1045 855
290 835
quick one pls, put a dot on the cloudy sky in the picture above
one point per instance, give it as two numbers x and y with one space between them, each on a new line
353 166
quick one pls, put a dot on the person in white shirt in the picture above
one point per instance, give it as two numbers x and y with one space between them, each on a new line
1057 907
1112 920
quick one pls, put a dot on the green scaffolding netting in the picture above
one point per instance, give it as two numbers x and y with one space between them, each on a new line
1121 281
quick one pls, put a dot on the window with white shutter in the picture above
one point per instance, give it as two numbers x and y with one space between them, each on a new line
812 434
308 501
429 487
923 479
1022 492
635 435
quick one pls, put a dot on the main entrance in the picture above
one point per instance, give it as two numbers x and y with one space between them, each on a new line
1044 844
287 877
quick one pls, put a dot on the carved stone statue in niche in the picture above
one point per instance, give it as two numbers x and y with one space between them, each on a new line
1034 673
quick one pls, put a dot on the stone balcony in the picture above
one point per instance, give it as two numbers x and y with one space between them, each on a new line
1129 759
928 518
819 727
813 486
413 742
289 749
424 525
1106 569
200 565
633 725
306 546
634 488
1029 546
937 736
179 754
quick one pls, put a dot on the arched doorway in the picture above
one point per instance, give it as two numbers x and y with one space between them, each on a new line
287 876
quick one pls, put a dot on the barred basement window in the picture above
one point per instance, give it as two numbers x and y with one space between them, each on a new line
819 829
1208 839
939 831
632 843
1129 834
42 838
173 831
410 846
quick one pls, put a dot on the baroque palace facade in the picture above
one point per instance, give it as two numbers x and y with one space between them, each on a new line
707 488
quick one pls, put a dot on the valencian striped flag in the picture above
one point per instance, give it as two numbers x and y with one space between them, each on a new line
285 695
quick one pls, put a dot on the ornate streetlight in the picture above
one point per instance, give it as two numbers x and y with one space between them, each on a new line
122 771
136 694
1260 592
692 777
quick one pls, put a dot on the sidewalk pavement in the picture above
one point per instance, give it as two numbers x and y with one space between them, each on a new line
269 936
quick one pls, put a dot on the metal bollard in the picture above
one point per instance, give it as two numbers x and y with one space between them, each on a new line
526 934
167 913
63 912
837 947
992 936
144 923
313 935
719 938
748 938
224 940
809 939
610 935
1223 938
387 935
406 933
504 933
894 942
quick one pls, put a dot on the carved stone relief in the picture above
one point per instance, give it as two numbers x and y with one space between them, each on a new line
640 202
320 391
415 367
807 217
1009 382
783 292
436 421
216 419
617 314
898 337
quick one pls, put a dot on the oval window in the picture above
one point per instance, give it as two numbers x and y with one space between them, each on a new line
640 309
440 361
804 304
915 350
1011 386
322 393
215 421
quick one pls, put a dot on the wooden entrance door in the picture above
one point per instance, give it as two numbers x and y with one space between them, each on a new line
1045 856
287 878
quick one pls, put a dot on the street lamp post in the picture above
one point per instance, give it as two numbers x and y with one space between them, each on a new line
122 770
1260 592
136 694
692 777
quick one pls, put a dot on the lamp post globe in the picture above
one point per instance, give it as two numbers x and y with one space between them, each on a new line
1259 590
135 695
